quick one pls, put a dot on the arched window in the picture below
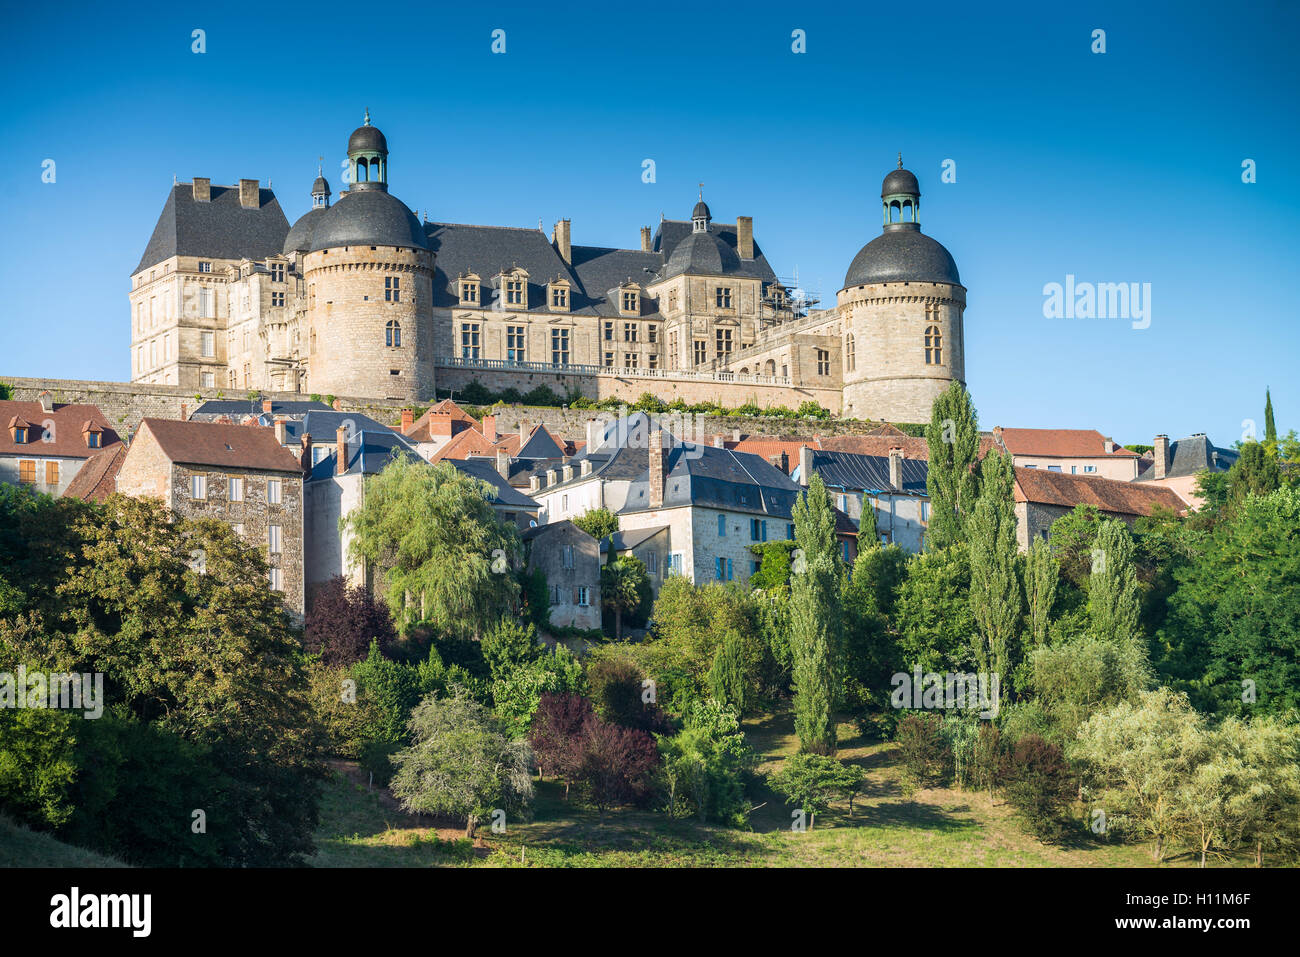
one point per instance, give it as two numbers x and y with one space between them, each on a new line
933 346
769 367
850 357
393 333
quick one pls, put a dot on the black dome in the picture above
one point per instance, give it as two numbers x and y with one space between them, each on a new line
367 139
701 211
900 181
368 217
300 236
902 253
320 186
702 254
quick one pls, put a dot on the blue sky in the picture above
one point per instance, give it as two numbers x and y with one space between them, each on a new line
1117 167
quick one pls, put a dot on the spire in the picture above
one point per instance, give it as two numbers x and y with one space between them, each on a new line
900 159
366 122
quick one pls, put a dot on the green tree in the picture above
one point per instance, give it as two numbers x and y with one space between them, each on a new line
461 764
706 766
1113 605
727 678
509 644
953 439
1255 472
995 596
599 523
443 554
811 782
814 619
1042 575
933 611
1270 427
624 585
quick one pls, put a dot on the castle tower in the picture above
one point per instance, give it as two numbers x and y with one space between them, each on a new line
902 303
368 273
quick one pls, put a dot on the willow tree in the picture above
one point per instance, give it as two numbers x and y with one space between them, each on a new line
953 441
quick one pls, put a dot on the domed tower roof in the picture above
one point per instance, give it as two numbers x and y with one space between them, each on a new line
902 253
701 211
367 138
320 187
702 254
299 238
368 217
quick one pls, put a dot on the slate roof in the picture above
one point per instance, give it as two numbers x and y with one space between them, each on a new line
323 426
300 235
625 541
214 409
368 453
868 473
96 480
538 531
902 253
219 229
673 231
67 436
877 444
707 477
367 214
504 494
1189 456
220 445
1109 495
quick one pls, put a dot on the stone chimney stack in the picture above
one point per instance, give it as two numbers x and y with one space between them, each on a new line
185 409
805 465
781 462
560 239
658 468
997 438
647 244
719 441
490 428
503 463
46 400
281 430
1161 453
595 427
306 452
523 433
249 194
408 420
337 405
896 469
266 406
202 189
1109 446
341 451
745 237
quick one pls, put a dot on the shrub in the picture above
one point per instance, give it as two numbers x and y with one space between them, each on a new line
925 755
1038 784
617 695
986 759
707 766
344 620
615 765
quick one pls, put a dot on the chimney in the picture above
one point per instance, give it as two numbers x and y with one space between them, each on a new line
646 242
781 462
523 433
997 438
281 431
568 473
408 420
584 467
1162 456
534 483
503 463
1110 447
249 194
735 435
805 465
47 401
489 425
185 412
896 469
306 452
658 468
341 451
719 441
202 189
266 405
594 429
560 238
745 236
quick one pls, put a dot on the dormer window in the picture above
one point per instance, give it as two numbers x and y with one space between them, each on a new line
203 267
629 300
20 435
469 290
93 438
277 272
557 291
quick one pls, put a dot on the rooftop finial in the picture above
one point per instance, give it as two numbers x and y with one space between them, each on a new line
900 159
367 121
701 191
320 166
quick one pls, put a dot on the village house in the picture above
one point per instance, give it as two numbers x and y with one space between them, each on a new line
570 559
1178 465
1042 496
1068 451
45 444
881 494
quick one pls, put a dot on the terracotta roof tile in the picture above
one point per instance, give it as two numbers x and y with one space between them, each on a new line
1060 443
1044 487
224 446
67 435
96 480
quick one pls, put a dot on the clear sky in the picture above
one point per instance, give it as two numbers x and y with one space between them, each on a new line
1124 166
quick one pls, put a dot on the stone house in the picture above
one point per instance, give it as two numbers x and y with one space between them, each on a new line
1068 451
570 558
238 474
885 495
44 444
1041 497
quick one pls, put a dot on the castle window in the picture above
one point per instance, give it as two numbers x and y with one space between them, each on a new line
933 346
205 304
652 332
652 361
609 332
515 292
203 267
723 297
393 334
672 299
849 352
629 302
277 299
823 362
392 289
559 297
277 272
515 344
609 360
701 352
560 347
207 343
469 340
724 343
631 360
469 291
207 380
629 332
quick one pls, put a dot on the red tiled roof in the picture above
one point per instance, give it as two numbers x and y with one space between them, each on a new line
224 446
67 432
769 449
96 480
463 445
1044 487
460 421
1059 443
878 443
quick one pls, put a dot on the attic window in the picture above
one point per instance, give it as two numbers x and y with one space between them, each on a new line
92 440
228 448
20 435
205 267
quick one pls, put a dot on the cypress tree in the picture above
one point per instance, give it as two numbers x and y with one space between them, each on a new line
814 618
1270 427
953 438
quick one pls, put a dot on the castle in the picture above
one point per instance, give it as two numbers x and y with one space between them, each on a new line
360 298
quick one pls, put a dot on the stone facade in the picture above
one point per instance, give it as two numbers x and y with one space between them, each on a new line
571 560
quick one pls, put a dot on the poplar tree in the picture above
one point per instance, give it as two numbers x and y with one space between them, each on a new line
814 618
953 438
1042 575
995 597
1113 604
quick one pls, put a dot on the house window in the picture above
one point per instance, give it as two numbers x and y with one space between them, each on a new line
274 492
789 531
850 356
273 539
515 292
393 334
515 343
198 486
758 529
20 435
277 299
559 297
1053 468
723 337
555 594
629 301
722 566
845 550
701 352
238 529
203 267
560 347
1089 468
51 473
723 297
925 511
208 344
564 503
92 438
566 555
235 489
27 472
933 346
823 362
469 340
722 526
652 563
277 579
392 289
629 332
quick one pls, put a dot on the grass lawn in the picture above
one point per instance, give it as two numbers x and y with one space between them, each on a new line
22 847
932 828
